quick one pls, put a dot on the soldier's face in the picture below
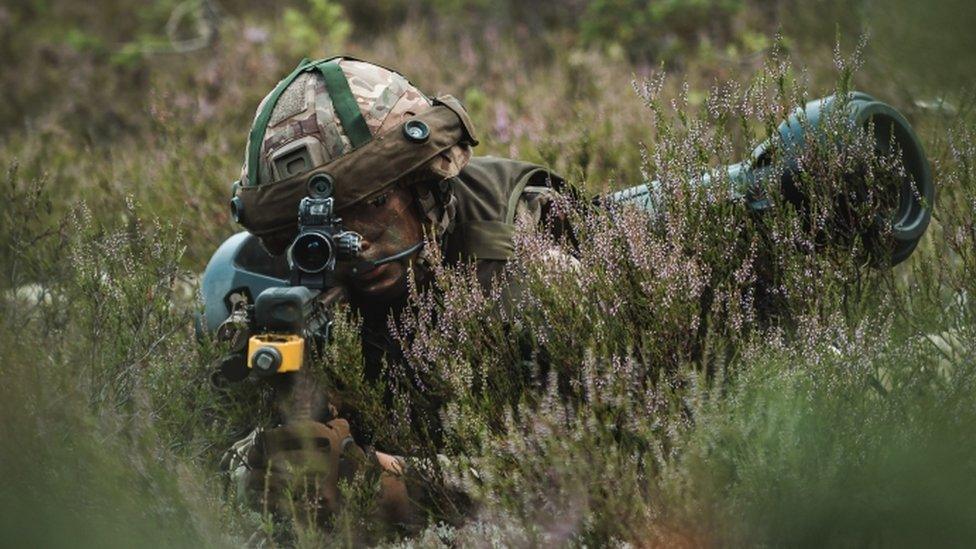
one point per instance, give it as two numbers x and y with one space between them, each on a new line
388 224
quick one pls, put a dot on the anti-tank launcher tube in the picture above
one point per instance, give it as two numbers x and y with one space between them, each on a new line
891 133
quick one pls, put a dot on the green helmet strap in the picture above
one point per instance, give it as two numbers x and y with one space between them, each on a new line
343 101
359 175
256 137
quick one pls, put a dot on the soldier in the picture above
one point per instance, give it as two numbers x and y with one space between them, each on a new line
399 168
402 171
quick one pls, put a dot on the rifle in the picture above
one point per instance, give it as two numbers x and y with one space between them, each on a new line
274 336
275 332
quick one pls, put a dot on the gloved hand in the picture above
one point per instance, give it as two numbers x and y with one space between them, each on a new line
303 461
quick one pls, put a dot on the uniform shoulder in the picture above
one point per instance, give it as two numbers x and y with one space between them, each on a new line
500 171
490 193
488 187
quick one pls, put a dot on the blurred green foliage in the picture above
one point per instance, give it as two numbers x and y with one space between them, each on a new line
316 29
657 30
846 422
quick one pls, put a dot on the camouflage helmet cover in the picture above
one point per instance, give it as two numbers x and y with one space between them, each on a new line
305 132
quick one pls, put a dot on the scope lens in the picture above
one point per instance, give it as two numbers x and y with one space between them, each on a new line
312 252
320 186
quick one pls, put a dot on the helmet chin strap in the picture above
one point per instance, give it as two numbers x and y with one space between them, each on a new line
366 265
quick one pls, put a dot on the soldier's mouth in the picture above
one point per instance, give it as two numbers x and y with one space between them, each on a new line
372 274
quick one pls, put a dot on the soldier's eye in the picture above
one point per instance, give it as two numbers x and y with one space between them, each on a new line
379 200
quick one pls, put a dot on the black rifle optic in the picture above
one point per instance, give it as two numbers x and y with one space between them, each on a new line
274 315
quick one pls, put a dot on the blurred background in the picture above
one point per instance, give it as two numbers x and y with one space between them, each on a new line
153 99
123 124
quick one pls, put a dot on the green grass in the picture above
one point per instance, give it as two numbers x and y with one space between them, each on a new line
696 382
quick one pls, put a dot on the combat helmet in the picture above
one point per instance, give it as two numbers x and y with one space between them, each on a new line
363 126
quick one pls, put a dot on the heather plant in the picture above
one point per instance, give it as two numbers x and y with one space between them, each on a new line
587 399
697 373
104 450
